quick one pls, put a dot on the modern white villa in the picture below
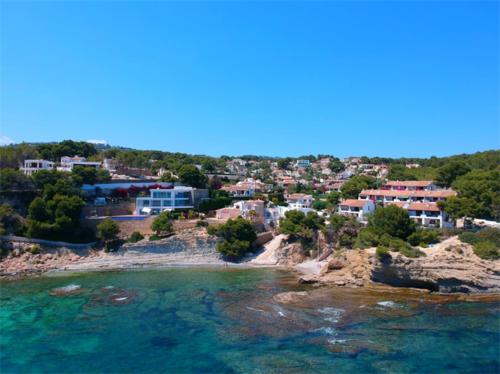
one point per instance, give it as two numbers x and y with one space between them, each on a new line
178 197
32 166
299 200
67 163
359 209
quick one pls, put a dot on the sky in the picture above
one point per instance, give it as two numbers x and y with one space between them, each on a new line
277 78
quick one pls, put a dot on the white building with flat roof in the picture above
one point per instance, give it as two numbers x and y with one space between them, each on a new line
67 163
32 166
178 197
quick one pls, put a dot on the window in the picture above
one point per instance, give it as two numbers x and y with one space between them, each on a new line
144 202
156 203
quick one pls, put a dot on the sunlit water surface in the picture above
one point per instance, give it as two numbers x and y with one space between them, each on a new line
227 321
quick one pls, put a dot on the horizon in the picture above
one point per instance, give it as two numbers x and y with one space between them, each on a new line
285 79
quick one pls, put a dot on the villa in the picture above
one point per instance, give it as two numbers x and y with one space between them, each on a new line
32 166
67 163
247 188
178 197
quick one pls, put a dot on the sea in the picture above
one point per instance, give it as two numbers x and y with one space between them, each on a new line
229 320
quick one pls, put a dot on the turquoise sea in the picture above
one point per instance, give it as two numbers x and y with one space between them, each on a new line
228 321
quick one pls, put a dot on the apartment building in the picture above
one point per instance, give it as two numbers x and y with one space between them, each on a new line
426 214
425 196
359 209
410 186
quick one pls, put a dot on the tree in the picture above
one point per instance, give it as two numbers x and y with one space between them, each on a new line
447 173
352 188
336 165
168 177
14 180
191 176
42 178
108 230
162 224
9 220
333 198
89 175
238 236
301 226
391 220
483 187
460 207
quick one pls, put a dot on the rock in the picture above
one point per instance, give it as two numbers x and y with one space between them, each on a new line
308 280
288 297
335 264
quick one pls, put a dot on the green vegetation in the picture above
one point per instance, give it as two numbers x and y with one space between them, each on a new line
383 253
218 199
486 242
135 237
14 180
108 231
89 175
10 224
301 226
423 237
191 176
162 224
352 188
391 220
238 236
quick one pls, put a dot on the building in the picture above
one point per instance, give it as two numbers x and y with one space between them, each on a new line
247 188
249 209
109 164
410 186
178 197
358 209
425 196
303 164
299 200
426 214
67 163
32 166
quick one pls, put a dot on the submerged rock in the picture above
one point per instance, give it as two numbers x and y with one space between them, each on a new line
70 289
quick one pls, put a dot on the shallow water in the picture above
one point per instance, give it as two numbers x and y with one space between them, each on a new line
226 321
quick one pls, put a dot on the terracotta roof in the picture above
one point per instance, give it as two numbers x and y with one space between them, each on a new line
354 202
408 183
296 196
396 193
429 207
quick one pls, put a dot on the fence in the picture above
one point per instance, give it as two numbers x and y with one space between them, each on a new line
48 243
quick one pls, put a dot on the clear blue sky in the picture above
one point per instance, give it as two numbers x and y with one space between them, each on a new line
392 78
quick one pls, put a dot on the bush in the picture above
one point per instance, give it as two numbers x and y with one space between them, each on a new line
34 249
108 230
135 237
162 224
487 250
393 221
366 239
383 253
233 248
112 245
201 223
154 237
423 237
411 252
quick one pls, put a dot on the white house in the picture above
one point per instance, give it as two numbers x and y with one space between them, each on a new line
299 200
67 163
32 166
359 209
178 197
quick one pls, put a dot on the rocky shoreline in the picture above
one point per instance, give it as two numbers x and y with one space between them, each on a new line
448 267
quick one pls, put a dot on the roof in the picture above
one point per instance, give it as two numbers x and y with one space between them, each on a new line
297 196
430 207
409 183
406 193
354 203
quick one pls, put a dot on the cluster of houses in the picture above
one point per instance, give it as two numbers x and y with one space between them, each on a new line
419 198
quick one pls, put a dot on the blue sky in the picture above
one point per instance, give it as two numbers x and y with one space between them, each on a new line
394 78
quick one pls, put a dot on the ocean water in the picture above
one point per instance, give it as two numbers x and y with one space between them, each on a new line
228 321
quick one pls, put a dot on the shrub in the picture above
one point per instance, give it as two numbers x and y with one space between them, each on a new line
135 237
154 237
487 250
366 239
112 245
162 224
233 248
383 253
411 252
108 230
201 223
34 249
469 237
423 237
